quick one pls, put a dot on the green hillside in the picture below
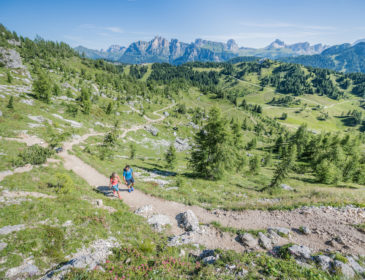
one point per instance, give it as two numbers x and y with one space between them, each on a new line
344 58
215 137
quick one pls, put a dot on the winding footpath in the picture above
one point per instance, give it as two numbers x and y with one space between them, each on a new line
325 223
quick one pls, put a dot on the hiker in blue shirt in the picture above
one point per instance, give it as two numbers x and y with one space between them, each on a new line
128 177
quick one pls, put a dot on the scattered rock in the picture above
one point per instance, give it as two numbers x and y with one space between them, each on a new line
73 123
68 223
209 260
264 241
300 252
209 256
353 263
286 187
99 202
151 129
248 240
159 221
67 85
9 229
188 221
38 119
193 125
3 245
324 261
27 101
284 232
14 42
182 144
273 236
144 210
166 114
305 230
171 188
1 113
343 268
242 273
25 270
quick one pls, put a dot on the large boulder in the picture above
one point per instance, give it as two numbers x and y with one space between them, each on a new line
324 262
159 221
188 221
209 256
344 269
355 265
300 252
248 240
264 241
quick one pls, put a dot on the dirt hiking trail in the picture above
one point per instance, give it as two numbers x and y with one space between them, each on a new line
326 223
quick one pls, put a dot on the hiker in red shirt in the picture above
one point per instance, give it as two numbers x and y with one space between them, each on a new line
114 180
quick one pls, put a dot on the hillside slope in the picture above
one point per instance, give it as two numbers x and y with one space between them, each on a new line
68 122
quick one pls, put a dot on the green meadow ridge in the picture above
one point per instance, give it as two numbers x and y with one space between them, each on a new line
244 170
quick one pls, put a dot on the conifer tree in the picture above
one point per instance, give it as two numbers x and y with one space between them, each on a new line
284 167
254 164
11 103
84 100
42 87
213 152
9 77
109 109
132 150
170 157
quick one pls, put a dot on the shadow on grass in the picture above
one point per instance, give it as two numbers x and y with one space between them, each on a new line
343 186
105 190
157 171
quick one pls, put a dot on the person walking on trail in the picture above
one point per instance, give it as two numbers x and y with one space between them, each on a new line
114 180
128 177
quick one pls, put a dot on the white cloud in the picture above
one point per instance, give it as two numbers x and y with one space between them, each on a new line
285 25
114 29
93 27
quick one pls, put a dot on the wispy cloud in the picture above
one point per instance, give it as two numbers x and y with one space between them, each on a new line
285 25
112 29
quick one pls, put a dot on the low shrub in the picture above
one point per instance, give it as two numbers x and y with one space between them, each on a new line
34 155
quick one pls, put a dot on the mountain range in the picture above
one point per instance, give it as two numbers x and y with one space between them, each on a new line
343 58
176 52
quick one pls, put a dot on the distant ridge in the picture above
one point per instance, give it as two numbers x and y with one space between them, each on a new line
174 51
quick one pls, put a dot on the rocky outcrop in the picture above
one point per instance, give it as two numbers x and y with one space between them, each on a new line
248 240
22 272
87 258
344 269
300 252
188 221
10 58
264 241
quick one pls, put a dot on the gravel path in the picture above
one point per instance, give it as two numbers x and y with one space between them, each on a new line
326 223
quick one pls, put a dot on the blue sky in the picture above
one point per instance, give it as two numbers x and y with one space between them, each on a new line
255 23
